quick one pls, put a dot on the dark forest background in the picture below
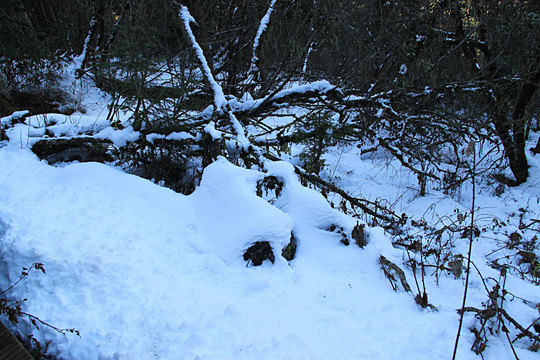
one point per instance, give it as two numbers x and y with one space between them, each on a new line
449 68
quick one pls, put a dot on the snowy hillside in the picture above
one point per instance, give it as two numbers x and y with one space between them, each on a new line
308 179
145 273
142 272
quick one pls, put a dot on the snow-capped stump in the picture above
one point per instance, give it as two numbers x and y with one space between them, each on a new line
289 251
258 252
76 149
269 188
359 235
233 218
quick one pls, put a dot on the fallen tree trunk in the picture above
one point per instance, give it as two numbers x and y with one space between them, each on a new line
77 149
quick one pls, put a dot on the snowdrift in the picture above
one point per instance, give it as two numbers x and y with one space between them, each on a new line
142 272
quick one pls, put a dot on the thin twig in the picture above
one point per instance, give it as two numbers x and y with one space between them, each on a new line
524 332
471 234
511 345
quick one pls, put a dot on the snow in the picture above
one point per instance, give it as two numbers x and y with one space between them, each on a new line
248 103
231 192
145 273
211 130
207 113
239 129
309 51
220 102
79 59
8 120
172 136
119 137
321 86
262 27
403 69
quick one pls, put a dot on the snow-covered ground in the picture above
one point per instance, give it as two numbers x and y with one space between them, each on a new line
145 273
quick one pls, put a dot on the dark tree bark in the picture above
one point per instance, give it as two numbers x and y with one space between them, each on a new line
95 36
511 129
519 122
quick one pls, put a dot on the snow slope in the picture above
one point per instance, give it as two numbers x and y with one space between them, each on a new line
145 273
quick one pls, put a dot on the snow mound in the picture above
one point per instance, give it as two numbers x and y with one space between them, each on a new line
232 216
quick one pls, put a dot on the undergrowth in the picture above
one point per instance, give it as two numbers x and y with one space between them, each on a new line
12 310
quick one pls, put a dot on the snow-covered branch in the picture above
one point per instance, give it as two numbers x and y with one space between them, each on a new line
84 54
219 97
254 67
220 102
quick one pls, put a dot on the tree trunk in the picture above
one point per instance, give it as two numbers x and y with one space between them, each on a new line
95 37
511 130
526 94
104 49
